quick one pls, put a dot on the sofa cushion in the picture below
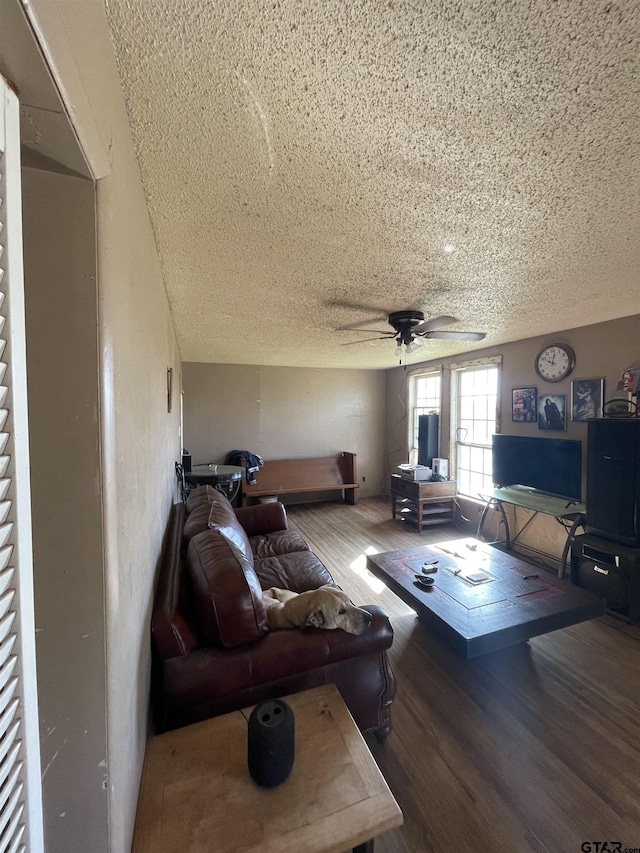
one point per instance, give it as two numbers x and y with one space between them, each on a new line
201 495
199 508
213 511
298 571
277 543
227 591
197 521
223 518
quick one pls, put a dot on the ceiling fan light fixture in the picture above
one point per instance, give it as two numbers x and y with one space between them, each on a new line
410 329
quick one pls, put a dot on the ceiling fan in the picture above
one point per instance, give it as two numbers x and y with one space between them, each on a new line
410 329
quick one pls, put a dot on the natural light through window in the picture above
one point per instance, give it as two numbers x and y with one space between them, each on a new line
359 566
476 411
425 400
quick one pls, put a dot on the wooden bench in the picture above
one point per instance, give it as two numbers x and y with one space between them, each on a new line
296 476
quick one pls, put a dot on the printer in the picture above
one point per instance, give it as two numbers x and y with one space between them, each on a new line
415 473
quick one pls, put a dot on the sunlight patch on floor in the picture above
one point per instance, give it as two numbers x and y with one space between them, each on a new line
465 549
359 567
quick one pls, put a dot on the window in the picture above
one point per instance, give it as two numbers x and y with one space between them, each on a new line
475 404
424 400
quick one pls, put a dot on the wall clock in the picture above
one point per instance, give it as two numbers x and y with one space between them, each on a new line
555 362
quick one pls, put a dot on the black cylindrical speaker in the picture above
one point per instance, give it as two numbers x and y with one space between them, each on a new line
428 426
271 742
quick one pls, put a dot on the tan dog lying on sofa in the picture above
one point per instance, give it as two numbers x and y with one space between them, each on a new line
326 607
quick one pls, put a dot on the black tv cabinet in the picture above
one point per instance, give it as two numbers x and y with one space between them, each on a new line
610 570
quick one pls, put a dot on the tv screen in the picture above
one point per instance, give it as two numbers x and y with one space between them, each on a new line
549 465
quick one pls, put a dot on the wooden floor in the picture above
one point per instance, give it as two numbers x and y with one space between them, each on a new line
533 748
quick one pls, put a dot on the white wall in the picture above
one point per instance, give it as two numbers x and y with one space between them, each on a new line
284 413
62 366
130 451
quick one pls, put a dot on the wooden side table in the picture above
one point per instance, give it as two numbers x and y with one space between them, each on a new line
197 796
423 503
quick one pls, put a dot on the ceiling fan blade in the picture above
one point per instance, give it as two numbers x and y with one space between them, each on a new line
373 331
365 340
453 336
435 323
381 318
356 306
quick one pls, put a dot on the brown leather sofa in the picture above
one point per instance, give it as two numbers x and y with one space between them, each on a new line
213 651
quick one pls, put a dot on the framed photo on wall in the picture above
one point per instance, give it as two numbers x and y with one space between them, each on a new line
524 405
552 412
587 397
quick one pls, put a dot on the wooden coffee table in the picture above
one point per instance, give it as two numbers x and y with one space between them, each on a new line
517 601
197 796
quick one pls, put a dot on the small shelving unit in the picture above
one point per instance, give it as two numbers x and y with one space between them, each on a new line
422 503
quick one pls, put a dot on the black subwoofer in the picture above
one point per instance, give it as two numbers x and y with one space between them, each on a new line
428 440
609 570
613 480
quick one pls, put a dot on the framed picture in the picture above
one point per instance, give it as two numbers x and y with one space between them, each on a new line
524 405
552 412
587 397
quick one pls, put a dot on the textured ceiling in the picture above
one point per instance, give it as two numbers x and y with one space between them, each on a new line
297 154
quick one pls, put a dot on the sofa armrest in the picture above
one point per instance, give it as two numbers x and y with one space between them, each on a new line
209 674
262 518
172 634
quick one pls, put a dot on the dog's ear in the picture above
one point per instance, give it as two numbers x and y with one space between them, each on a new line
315 619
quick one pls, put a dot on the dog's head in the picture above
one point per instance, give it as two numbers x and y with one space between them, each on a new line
328 607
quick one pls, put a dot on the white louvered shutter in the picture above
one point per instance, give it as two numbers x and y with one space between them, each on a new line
20 783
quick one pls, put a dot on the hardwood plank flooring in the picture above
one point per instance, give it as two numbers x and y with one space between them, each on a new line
532 748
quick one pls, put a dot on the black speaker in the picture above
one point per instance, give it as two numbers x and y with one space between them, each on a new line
609 570
271 742
427 439
613 480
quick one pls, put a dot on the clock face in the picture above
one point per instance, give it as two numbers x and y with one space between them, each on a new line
555 362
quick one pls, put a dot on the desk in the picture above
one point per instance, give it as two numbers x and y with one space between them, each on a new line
197 796
225 478
564 511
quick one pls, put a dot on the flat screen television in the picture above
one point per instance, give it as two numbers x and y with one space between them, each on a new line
549 465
